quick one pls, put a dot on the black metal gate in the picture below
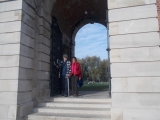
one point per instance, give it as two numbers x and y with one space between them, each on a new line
56 53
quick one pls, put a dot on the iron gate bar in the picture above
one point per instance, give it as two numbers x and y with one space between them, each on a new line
56 53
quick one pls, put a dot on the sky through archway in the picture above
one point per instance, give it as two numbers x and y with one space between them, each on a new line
91 40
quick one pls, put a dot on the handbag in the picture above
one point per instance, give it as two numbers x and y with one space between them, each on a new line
80 83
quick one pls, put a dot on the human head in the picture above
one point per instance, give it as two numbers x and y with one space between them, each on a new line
65 57
74 59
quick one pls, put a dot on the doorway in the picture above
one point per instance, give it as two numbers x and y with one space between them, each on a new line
71 15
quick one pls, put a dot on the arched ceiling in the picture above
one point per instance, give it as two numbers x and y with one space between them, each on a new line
70 13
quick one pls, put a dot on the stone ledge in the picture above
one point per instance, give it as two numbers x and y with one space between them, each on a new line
114 4
138 12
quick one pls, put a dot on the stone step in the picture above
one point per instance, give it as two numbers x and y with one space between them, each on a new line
75 104
66 110
71 99
62 116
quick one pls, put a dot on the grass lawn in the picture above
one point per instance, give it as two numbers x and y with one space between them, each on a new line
94 87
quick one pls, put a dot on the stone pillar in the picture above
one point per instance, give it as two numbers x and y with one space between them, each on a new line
135 59
158 9
25 28
15 60
41 60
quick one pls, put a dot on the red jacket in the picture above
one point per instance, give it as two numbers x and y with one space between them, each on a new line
76 69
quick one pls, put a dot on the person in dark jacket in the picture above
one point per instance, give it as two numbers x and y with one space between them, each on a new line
76 75
65 73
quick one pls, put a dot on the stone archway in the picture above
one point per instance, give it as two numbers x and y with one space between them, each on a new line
134 44
72 15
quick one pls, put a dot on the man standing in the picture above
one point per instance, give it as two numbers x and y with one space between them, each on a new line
65 73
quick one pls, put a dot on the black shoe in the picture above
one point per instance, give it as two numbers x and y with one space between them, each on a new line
66 96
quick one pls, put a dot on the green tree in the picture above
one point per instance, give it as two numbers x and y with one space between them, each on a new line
93 68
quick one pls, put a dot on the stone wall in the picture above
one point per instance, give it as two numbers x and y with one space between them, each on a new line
158 9
25 57
135 55
25 31
42 21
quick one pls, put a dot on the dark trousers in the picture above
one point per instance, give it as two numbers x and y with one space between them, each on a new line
74 84
64 85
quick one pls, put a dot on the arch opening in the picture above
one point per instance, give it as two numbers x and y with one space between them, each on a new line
90 49
72 15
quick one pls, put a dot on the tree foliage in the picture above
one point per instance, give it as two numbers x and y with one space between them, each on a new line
94 69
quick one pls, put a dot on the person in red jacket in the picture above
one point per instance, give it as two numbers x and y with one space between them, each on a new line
76 75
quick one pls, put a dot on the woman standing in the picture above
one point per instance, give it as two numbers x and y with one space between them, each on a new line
76 75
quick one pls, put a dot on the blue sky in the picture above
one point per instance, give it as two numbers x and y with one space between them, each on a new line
91 40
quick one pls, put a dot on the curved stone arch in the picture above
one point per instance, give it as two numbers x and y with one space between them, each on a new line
80 25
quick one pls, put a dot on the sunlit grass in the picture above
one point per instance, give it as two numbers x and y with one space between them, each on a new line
94 87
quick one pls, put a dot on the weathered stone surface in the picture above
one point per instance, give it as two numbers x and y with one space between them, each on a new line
135 54
45 23
10 16
26 62
28 20
44 57
9 61
28 10
13 5
24 97
127 3
134 26
24 85
8 85
10 27
43 84
28 30
136 84
44 49
42 66
25 109
136 114
44 40
45 15
26 40
135 40
9 73
135 69
15 85
136 100
43 75
3 111
31 2
26 51
45 32
42 94
131 13
9 49
25 74
2 7
7 38
12 111
8 98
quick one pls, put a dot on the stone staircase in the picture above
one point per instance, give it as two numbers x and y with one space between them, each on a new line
70 108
